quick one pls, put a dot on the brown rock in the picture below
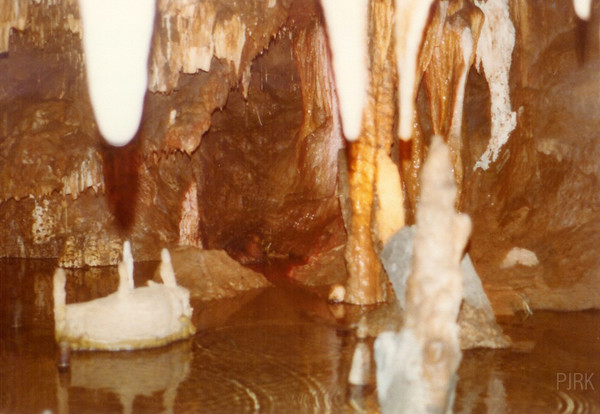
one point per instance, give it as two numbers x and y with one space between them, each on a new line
212 274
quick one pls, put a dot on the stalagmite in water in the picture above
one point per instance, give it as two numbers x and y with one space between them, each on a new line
145 317
416 368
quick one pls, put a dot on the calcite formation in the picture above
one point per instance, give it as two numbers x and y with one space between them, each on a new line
416 368
366 282
347 25
494 56
131 318
245 114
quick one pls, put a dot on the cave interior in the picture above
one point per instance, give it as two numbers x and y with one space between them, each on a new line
276 222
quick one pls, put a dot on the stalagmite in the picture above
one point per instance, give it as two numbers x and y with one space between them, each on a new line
416 368
360 370
389 214
116 37
145 317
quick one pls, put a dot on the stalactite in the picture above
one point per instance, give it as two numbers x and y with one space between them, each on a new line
366 280
347 29
452 55
411 20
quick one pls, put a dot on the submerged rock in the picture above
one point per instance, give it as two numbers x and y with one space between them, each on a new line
145 317
212 274
478 327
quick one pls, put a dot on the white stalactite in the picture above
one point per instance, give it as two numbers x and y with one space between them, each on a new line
116 38
411 19
583 8
347 29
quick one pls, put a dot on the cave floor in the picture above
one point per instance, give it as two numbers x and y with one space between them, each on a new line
275 350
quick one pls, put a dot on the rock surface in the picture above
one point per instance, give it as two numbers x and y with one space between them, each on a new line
65 194
212 274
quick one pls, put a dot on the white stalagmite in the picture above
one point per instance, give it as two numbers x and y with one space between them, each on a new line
128 261
494 56
416 368
148 316
347 23
116 39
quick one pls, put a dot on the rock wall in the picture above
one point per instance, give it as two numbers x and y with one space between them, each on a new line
66 194
239 140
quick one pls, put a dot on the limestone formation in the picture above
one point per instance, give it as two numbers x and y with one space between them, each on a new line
242 103
131 318
494 57
416 368
366 281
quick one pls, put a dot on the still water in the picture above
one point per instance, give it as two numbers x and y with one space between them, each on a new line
279 350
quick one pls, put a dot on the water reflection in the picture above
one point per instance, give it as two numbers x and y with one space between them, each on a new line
524 378
278 350
127 375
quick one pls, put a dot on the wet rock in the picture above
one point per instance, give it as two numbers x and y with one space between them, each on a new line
212 274
366 282
267 168
54 161
396 258
541 195
327 268
477 322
